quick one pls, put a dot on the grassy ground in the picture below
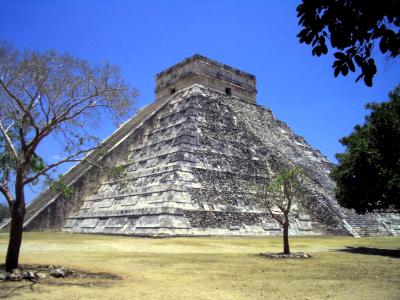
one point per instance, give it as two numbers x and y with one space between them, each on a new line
211 268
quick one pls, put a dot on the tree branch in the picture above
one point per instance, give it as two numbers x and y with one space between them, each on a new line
20 105
9 126
81 100
4 190
274 216
46 112
12 96
9 142
70 158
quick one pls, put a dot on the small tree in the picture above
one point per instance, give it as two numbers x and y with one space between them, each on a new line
43 95
278 197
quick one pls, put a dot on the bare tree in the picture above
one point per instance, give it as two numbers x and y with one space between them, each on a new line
279 195
49 95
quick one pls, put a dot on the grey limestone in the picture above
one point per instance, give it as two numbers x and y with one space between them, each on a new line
185 165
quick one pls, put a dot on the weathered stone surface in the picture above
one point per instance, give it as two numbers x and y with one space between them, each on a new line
15 275
185 163
28 275
59 272
40 275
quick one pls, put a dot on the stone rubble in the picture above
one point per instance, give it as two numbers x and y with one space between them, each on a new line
36 272
300 255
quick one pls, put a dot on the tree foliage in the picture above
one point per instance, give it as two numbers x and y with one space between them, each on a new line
368 173
352 27
279 195
43 95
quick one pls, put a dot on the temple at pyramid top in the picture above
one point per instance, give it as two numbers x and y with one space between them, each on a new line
186 164
210 73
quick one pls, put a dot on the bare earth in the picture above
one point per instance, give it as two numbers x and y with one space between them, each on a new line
210 268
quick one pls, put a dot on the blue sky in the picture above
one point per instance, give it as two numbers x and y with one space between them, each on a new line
145 37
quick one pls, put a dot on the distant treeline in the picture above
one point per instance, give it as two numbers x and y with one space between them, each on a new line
4 212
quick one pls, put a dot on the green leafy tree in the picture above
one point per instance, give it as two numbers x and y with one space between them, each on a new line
368 173
279 195
43 95
352 27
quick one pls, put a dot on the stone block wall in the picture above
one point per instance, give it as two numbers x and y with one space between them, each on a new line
207 72
184 166
187 175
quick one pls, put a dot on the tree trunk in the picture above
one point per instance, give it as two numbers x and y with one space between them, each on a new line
17 223
286 249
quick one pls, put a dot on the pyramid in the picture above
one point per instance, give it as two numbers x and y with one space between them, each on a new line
182 166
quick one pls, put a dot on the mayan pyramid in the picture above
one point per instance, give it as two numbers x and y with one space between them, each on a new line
181 166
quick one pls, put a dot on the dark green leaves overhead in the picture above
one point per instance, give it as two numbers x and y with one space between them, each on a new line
352 27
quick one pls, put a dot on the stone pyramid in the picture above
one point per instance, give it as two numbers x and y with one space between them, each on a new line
181 166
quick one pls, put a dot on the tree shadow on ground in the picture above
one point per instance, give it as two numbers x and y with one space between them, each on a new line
395 253
10 288
8 291
81 278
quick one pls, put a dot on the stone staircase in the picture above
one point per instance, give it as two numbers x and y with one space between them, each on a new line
4 222
41 201
365 225
391 221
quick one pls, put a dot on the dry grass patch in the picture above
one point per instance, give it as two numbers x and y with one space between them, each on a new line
210 268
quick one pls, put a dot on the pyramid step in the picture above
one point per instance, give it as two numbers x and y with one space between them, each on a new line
45 198
188 159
